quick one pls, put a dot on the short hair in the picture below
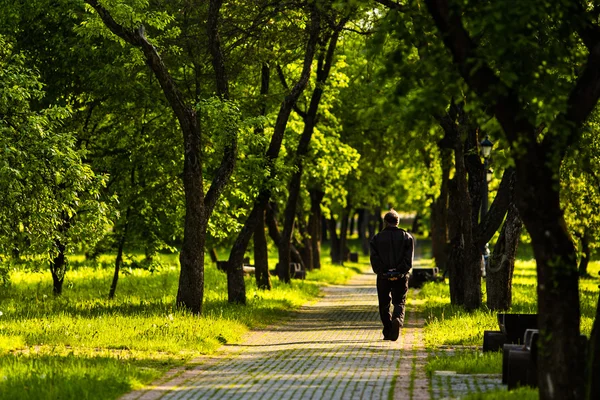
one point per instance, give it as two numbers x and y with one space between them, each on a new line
392 217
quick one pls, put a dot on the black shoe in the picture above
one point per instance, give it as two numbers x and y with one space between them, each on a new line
395 332
386 334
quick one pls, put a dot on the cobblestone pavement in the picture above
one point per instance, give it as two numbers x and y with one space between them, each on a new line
331 349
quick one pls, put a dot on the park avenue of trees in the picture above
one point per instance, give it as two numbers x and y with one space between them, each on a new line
194 125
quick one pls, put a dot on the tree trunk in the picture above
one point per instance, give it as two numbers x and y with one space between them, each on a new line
305 247
359 222
119 259
314 226
537 162
261 255
213 255
439 215
593 361
416 225
198 207
455 262
374 223
585 253
235 279
344 250
324 64
351 226
324 229
58 268
502 263
334 252
560 361
363 231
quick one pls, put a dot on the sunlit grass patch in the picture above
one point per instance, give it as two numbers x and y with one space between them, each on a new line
522 393
466 362
57 376
121 344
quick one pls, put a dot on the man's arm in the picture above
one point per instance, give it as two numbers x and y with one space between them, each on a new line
376 262
410 250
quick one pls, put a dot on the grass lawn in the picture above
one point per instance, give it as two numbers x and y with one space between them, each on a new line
83 346
452 327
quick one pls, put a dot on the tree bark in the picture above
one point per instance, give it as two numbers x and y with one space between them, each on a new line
455 262
593 363
439 215
261 255
314 226
334 242
305 246
119 259
359 222
585 253
502 263
324 229
58 268
364 231
344 251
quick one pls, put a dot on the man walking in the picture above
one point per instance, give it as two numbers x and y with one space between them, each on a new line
391 259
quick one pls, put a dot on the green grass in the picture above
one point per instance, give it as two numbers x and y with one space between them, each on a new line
452 326
466 362
83 346
523 393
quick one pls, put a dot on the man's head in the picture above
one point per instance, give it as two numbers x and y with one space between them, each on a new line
391 218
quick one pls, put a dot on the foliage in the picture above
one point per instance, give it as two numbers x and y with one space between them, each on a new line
49 192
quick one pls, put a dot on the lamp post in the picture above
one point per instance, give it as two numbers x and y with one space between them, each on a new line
486 151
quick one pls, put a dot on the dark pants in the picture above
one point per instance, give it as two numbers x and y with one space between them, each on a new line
394 291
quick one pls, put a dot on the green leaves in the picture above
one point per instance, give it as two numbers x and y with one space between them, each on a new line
42 174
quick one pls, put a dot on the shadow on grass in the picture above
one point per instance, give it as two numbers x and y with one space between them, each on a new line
66 377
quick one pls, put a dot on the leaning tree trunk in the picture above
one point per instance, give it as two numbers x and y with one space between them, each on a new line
236 255
502 263
58 268
261 255
314 226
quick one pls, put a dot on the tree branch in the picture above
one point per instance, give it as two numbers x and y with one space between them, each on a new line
227 165
477 73
297 109
494 217
392 5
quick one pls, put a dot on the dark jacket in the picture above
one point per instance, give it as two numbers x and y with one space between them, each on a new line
392 248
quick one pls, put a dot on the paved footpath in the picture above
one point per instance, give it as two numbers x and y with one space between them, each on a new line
331 349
